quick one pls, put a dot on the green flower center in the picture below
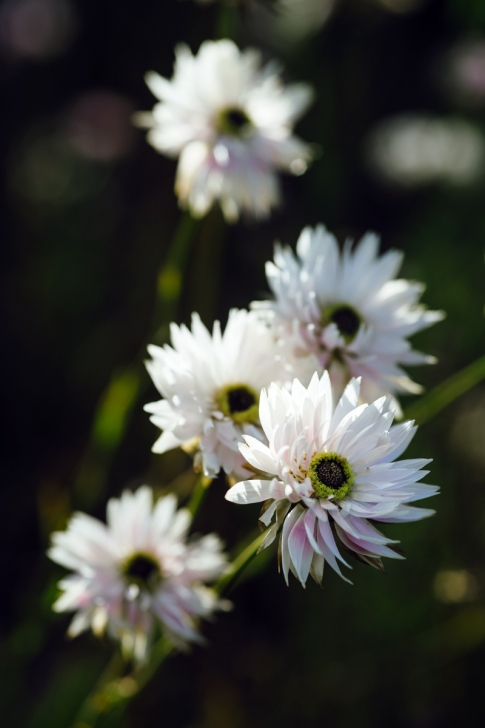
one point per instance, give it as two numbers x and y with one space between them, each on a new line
331 475
239 402
141 569
345 318
232 121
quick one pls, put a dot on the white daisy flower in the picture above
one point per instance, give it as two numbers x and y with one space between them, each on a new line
347 311
230 122
333 473
211 387
137 571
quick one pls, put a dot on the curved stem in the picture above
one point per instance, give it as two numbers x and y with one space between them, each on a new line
112 693
239 564
118 399
198 494
447 392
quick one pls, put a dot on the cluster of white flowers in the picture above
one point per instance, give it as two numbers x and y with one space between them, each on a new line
343 318
295 399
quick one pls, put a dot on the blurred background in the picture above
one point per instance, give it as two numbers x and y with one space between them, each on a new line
87 215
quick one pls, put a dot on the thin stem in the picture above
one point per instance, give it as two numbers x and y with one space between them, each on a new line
112 693
227 25
447 392
171 274
198 494
239 564
117 401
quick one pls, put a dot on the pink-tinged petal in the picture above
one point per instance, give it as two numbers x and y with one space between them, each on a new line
419 491
328 555
301 551
309 522
249 491
406 514
360 528
326 533
288 524
363 547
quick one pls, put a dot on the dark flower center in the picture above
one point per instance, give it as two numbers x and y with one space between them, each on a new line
232 121
347 321
142 569
331 475
240 399
239 402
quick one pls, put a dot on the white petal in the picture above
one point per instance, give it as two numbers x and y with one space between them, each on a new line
251 491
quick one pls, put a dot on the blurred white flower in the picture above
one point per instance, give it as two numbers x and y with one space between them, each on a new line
136 571
230 123
211 387
347 311
412 150
333 472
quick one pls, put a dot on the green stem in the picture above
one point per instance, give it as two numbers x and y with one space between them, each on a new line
171 274
445 393
117 401
112 693
238 565
227 24
198 494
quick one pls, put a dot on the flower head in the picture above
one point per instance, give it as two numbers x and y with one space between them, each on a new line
333 473
230 123
137 571
211 387
347 311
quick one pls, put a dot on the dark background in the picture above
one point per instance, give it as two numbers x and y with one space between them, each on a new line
87 214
